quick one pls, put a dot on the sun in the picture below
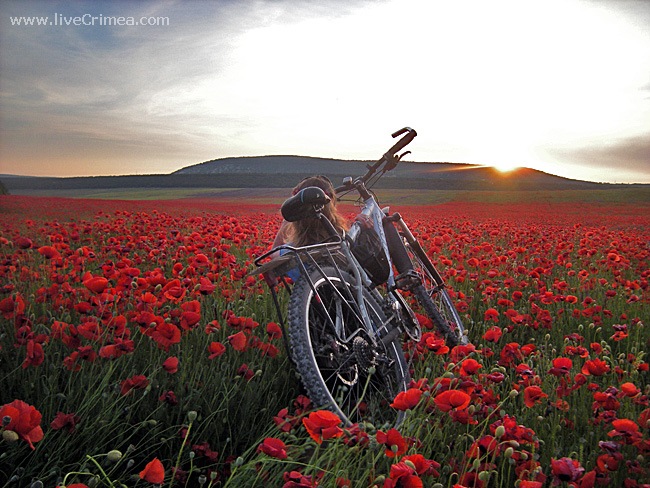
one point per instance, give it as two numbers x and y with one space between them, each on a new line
505 167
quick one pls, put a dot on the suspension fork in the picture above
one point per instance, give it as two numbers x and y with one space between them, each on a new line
396 246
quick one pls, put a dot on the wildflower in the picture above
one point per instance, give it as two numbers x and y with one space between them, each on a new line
169 397
322 425
216 349
561 366
66 421
566 469
469 367
96 284
153 472
137 381
408 399
491 314
625 428
24 420
166 334
171 364
595 367
533 395
452 400
238 341
273 447
273 330
395 444
493 334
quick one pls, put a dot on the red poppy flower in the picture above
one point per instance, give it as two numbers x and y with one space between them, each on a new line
493 334
23 242
48 252
624 427
165 335
273 447
273 330
135 382
96 284
322 425
216 349
169 397
561 366
24 420
595 367
469 367
120 348
35 355
629 390
238 341
530 484
66 421
408 399
404 476
191 314
491 314
452 400
533 395
11 307
153 472
171 364
395 444
566 469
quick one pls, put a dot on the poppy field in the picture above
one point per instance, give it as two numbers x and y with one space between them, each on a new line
138 347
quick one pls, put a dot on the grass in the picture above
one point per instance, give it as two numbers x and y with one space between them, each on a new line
633 194
562 286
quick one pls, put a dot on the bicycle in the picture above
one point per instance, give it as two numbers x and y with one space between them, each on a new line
345 320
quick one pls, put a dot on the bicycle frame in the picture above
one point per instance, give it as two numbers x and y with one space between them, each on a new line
312 202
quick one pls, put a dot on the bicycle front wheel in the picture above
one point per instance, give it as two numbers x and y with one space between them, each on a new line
342 368
433 297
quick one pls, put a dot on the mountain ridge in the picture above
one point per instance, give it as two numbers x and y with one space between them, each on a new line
284 171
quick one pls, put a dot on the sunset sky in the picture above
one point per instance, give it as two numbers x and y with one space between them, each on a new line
562 86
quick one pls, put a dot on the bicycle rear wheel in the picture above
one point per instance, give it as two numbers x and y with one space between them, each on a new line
341 367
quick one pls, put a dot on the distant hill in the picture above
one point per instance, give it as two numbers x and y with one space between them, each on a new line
407 174
286 171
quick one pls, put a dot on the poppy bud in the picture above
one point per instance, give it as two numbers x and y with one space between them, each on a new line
191 415
410 464
114 456
513 394
509 452
202 480
484 476
500 432
9 436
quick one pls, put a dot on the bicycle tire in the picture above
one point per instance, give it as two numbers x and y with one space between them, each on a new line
337 371
434 298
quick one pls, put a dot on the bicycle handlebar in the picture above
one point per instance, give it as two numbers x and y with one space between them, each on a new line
388 158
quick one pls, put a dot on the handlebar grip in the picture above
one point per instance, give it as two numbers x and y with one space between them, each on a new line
404 141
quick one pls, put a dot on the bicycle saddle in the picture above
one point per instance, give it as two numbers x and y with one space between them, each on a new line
304 204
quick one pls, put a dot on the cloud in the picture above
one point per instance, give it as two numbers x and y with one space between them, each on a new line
619 160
